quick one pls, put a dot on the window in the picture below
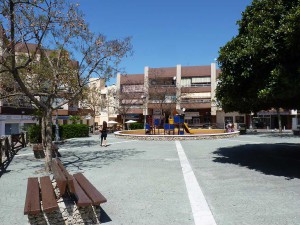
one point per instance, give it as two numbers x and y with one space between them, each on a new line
196 121
11 128
228 119
186 82
170 98
201 80
240 119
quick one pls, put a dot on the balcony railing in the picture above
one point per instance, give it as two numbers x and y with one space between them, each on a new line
20 105
195 101
197 85
162 85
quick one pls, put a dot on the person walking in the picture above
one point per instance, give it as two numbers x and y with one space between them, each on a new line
103 134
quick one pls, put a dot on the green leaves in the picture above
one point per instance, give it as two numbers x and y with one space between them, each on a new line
260 66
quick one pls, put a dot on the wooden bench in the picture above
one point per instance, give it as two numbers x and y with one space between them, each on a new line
37 193
77 186
40 194
39 153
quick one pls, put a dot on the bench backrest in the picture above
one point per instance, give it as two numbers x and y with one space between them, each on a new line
60 177
68 177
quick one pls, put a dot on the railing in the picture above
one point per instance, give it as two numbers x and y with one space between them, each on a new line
10 145
196 85
195 100
162 85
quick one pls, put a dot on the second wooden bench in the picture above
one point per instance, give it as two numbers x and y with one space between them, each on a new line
77 186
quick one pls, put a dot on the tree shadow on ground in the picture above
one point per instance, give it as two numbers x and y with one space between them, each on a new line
280 159
79 143
284 135
87 160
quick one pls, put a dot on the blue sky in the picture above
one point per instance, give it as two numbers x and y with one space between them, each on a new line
166 32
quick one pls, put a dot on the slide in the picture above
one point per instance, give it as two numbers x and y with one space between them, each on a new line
187 129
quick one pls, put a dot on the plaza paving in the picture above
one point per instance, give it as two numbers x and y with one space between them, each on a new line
250 179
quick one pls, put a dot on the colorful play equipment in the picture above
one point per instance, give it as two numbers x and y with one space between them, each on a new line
177 122
187 129
174 123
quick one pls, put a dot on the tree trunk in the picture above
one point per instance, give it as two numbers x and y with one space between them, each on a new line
279 121
43 131
93 125
124 121
48 139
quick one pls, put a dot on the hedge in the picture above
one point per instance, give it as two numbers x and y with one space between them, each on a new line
74 130
136 126
34 134
65 131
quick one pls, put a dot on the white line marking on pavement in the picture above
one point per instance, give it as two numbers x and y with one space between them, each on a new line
201 212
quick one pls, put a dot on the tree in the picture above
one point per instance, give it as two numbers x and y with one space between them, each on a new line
162 92
261 65
124 100
49 54
92 99
74 119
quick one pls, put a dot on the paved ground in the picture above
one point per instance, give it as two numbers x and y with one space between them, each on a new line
251 179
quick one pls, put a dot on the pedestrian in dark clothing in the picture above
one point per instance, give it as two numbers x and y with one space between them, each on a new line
103 134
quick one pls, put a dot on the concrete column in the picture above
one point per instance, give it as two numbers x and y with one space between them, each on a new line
213 86
146 90
178 86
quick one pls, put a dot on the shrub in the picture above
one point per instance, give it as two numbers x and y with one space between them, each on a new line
34 134
136 126
65 132
74 130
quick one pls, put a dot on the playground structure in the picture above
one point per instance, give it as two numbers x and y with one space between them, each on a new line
199 134
175 129
175 125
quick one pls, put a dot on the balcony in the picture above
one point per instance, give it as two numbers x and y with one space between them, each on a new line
191 101
16 111
195 103
196 89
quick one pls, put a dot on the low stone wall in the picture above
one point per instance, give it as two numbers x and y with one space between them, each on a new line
176 137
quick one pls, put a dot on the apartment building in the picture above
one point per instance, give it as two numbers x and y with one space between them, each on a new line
159 93
17 115
104 102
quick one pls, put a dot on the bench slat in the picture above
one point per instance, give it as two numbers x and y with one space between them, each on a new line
68 176
32 202
81 198
48 196
60 178
89 189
